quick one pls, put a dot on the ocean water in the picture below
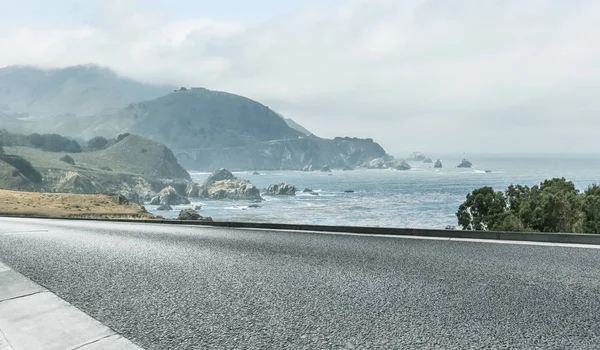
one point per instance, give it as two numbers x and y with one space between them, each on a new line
423 197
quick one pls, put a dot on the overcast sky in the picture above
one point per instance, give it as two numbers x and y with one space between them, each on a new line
430 75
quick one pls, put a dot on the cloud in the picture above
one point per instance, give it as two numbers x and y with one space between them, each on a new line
430 74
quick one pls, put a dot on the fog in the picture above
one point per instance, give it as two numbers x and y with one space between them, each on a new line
433 75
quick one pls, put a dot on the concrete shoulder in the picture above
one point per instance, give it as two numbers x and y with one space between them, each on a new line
32 318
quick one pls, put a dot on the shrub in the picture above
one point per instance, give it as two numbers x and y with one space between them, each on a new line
97 143
53 143
24 167
122 136
67 159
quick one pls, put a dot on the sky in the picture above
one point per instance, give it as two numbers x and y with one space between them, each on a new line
430 75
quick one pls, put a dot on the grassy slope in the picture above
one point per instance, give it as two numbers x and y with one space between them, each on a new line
67 205
125 157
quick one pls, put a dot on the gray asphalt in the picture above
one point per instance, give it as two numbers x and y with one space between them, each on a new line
183 287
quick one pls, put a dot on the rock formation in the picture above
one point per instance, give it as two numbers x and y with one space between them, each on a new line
169 196
403 165
222 184
465 164
281 189
192 215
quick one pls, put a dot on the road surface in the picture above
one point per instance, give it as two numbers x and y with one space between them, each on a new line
190 287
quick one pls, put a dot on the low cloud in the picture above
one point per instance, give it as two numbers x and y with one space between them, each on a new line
431 74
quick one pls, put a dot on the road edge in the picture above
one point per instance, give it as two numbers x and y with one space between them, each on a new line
573 238
33 317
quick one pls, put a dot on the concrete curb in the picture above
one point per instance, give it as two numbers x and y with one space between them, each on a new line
573 238
32 318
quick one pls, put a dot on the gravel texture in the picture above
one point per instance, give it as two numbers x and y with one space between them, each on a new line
184 287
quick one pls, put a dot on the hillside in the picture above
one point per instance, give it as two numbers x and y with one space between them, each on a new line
292 154
292 124
194 118
79 90
134 166
222 129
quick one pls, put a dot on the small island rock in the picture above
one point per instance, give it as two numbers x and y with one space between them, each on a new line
281 189
169 196
465 164
403 165
222 184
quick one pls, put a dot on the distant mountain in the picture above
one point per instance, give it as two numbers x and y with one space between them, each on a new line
206 129
192 118
292 124
79 90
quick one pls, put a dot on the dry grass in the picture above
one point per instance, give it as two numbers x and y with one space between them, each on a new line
67 205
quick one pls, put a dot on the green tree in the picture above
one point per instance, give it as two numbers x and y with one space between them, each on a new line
97 143
553 206
484 209
591 209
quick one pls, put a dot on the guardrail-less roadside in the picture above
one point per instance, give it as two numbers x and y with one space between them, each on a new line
573 238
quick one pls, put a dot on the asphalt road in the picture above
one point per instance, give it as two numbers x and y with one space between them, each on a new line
183 287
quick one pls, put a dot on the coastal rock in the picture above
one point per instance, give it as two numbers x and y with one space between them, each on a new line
164 207
256 173
427 160
307 190
254 206
465 164
281 189
349 191
169 196
347 168
197 207
326 169
314 193
306 168
417 156
377 163
222 184
438 164
403 165
192 190
192 215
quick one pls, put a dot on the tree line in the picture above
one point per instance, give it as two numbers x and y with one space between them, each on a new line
55 142
555 205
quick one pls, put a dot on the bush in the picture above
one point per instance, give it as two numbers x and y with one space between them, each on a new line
24 167
67 159
122 136
53 143
97 143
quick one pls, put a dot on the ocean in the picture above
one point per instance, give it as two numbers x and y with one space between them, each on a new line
423 197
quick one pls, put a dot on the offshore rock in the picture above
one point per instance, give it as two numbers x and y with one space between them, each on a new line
222 184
